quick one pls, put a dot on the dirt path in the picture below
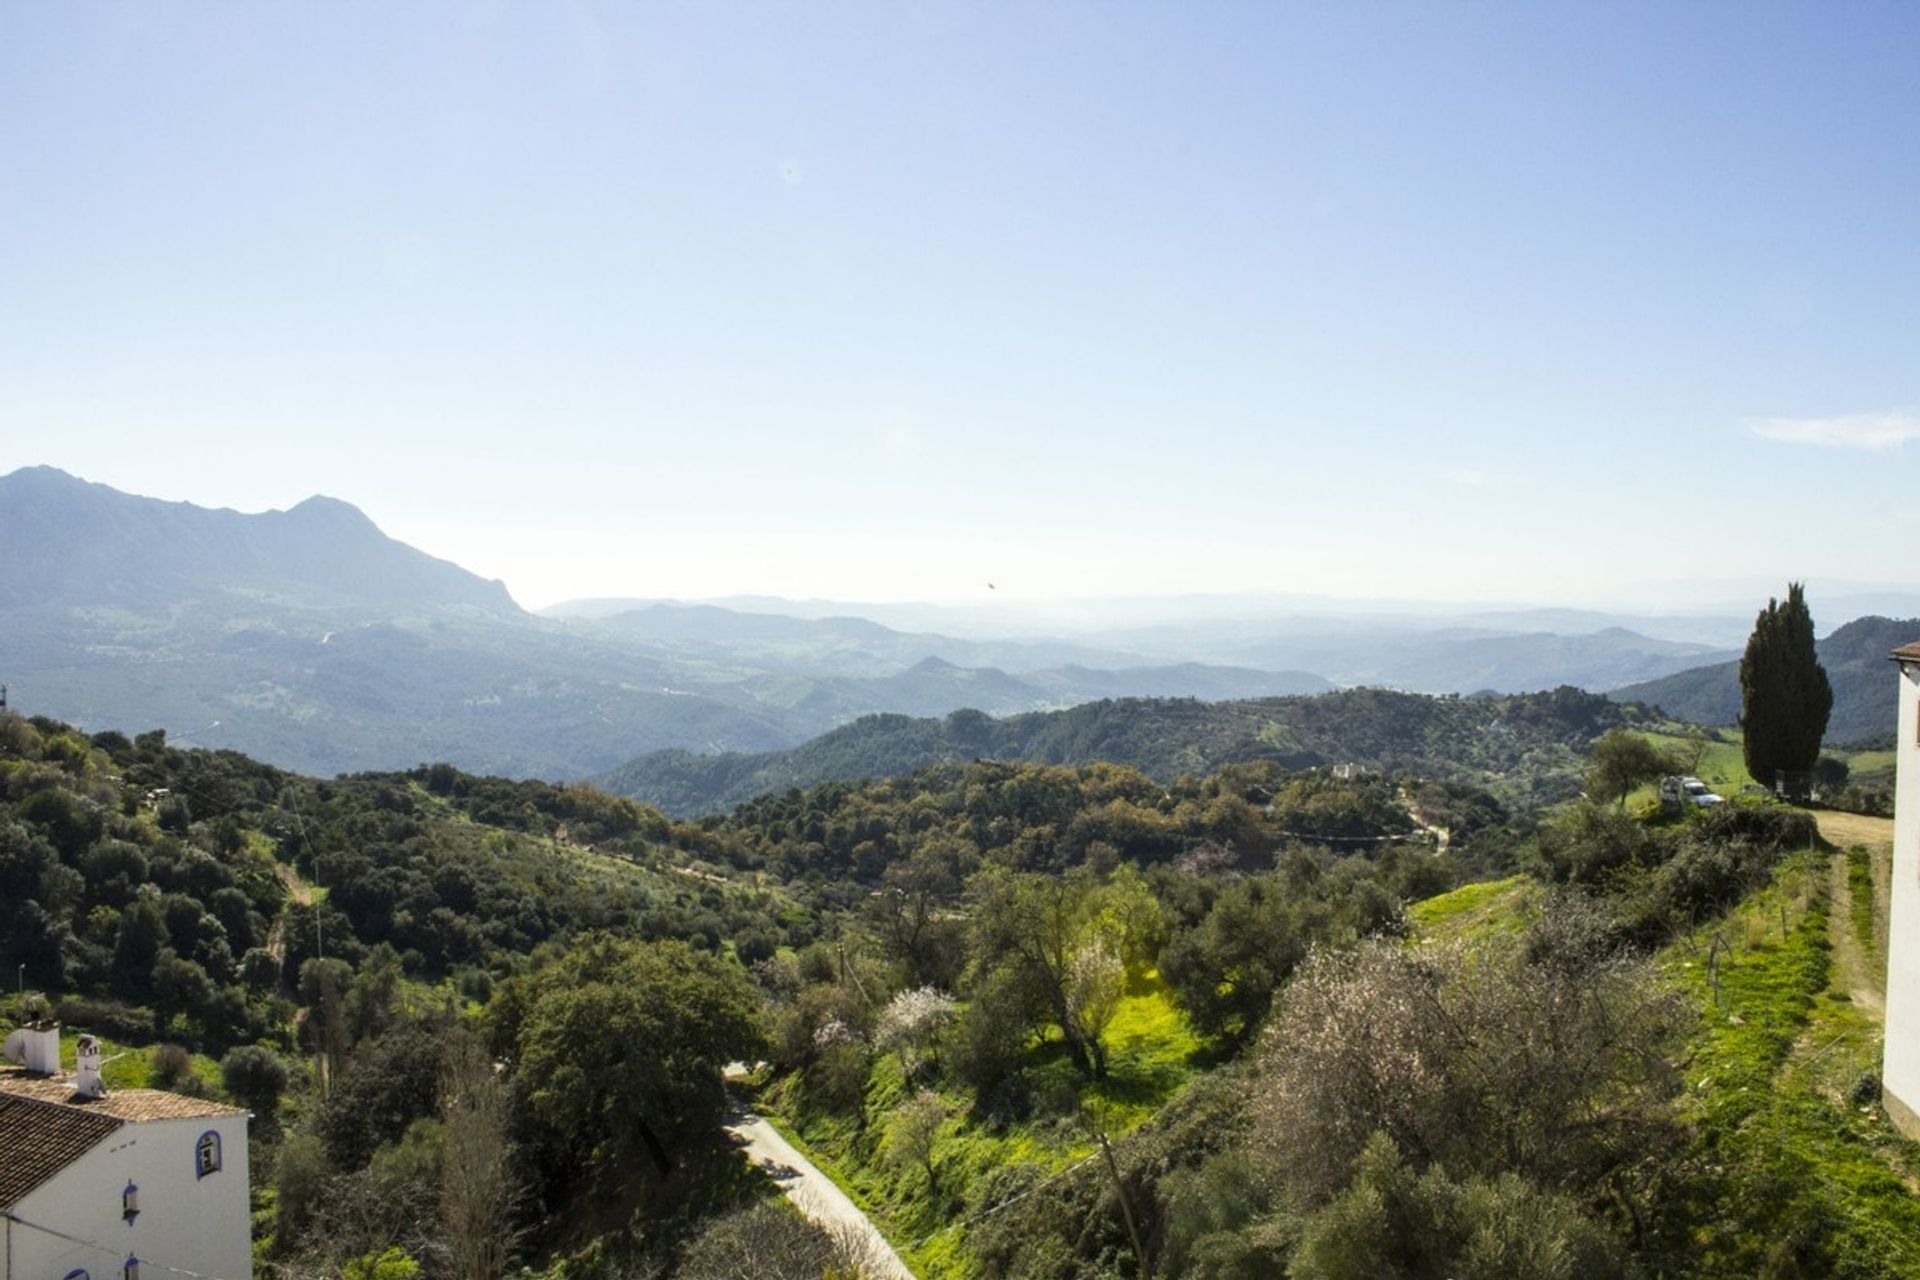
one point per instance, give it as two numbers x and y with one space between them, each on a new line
299 891
1853 965
813 1193
1844 830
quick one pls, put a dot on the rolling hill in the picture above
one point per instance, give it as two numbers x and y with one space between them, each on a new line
1439 657
1524 747
1855 657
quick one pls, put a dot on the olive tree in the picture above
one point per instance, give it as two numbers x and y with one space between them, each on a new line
1553 1057
619 1046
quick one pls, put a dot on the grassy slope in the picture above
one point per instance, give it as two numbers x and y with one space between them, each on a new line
1474 910
1870 763
1151 1056
1723 764
1794 1172
123 1066
1805 1179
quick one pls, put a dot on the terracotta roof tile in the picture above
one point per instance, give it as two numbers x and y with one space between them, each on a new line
38 1140
135 1106
1908 652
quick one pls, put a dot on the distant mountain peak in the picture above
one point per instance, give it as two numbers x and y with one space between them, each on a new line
47 482
334 518
40 474
66 541
334 508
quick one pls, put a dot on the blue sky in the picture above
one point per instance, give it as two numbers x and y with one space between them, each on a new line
888 301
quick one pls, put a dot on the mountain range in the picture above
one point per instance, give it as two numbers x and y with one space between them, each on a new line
1511 652
69 543
309 638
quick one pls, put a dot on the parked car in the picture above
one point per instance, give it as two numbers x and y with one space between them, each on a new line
1688 792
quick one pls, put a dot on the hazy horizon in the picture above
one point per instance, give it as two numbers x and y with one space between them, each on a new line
1495 305
1674 598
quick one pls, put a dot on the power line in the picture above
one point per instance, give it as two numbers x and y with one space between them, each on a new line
300 827
1008 1202
112 1250
291 793
1380 839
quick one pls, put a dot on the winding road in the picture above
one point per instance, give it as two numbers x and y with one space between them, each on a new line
812 1192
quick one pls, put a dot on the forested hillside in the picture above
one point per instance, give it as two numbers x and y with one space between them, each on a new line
1046 1021
304 945
1524 747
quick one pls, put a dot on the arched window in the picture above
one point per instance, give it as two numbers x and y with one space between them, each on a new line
206 1154
130 1202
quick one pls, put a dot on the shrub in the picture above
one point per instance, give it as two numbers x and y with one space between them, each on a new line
768 1242
255 1077
168 1066
107 1017
394 1264
1394 1221
1549 1060
837 1080
1590 842
990 1036
1776 828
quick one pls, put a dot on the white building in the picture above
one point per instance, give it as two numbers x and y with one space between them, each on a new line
128 1184
1900 1073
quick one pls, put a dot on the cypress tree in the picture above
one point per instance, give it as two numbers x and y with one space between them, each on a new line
1784 694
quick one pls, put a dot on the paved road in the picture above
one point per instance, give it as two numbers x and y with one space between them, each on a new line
812 1192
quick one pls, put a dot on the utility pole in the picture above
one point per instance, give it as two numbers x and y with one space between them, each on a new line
1091 1116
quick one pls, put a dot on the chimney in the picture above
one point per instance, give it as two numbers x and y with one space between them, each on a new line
86 1075
36 1047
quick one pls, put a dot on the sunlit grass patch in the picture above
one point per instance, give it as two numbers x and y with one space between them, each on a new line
1151 1056
1721 763
1497 906
125 1066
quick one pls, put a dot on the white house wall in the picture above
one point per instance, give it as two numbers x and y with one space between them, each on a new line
1900 1076
202 1225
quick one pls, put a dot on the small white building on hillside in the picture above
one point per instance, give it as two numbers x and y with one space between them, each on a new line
1900 1070
127 1184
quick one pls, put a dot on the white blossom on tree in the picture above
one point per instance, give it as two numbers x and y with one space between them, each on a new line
1096 981
911 1024
833 1032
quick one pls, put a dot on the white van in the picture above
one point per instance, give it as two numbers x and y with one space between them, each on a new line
1685 792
